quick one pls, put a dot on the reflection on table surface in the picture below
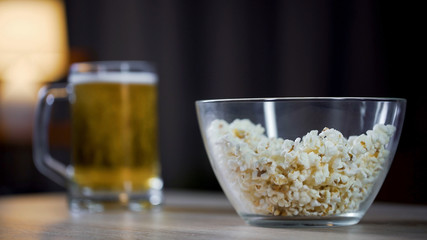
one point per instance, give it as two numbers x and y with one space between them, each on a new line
188 215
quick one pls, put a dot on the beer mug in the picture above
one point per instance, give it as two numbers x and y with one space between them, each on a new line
115 159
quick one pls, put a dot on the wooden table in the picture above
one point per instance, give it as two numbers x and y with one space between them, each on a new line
189 215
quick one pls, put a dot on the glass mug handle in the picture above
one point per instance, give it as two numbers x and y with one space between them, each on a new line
44 162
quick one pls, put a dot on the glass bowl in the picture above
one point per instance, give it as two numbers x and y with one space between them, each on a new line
301 161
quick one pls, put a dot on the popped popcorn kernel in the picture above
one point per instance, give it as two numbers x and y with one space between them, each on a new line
321 173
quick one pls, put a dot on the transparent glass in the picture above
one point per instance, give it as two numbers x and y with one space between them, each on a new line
281 177
115 160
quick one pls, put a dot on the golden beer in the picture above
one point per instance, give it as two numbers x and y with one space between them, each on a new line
115 135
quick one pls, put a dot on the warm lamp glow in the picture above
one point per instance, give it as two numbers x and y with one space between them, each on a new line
33 46
33 50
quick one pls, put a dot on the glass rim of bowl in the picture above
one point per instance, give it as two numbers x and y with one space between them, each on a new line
281 99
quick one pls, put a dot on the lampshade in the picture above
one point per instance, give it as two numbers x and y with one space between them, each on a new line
33 50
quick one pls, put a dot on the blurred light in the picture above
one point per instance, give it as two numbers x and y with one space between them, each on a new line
33 50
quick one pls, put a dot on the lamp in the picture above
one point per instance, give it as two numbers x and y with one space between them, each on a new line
33 50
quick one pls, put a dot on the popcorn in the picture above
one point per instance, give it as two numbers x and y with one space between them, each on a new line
317 175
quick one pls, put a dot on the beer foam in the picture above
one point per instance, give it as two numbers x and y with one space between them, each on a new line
114 77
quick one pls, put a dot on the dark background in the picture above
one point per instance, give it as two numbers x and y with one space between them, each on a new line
227 49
